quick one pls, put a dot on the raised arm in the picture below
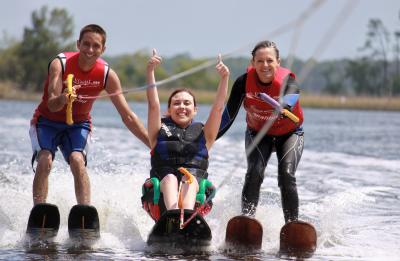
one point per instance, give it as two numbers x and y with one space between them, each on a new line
233 105
129 118
214 119
154 114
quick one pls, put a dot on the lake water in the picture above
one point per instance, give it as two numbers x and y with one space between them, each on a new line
348 182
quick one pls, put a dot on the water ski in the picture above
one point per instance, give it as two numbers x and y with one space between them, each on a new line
244 232
298 238
83 224
43 223
167 230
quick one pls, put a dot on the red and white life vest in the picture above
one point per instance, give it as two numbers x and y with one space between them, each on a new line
259 111
92 82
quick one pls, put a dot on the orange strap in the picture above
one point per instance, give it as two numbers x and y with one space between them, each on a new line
189 176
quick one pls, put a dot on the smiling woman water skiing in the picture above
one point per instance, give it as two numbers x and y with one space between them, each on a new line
177 141
265 76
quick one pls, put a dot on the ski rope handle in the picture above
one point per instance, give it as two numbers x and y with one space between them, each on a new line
290 115
265 97
69 119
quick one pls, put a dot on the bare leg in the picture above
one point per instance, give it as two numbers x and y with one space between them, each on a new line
169 188
81 178
189 192
41 181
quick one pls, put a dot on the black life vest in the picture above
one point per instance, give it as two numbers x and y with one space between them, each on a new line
180 147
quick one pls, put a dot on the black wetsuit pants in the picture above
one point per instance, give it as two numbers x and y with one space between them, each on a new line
289 149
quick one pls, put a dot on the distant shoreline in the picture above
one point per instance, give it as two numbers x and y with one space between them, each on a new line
207 97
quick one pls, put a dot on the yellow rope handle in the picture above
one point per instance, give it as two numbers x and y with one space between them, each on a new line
69 119
290 115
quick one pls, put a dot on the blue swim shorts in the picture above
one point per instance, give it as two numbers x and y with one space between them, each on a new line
52 135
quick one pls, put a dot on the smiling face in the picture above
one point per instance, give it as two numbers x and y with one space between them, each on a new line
91 47
182 108
266 63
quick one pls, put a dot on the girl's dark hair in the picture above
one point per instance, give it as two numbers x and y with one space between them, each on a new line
178 91
265 44
93 28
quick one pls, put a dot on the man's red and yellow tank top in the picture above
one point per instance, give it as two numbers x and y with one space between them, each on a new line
92 83
259 111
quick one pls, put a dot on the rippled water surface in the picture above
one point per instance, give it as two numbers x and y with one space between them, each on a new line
348 181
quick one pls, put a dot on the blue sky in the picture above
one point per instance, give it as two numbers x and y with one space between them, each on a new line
208 27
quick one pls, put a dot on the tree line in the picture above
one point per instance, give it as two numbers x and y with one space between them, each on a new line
373 73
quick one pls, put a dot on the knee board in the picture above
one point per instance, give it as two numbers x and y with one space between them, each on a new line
167 230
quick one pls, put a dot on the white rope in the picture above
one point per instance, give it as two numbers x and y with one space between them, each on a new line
279 31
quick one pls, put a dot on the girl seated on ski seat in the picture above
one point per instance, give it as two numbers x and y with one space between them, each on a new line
177 141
